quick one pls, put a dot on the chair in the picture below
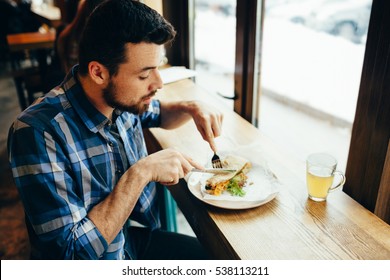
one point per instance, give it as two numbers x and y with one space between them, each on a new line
44 70
168 209
28 83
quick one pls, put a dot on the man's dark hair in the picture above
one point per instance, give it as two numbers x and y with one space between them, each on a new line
112 25
92 4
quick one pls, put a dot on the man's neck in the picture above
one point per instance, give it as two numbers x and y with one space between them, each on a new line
95 95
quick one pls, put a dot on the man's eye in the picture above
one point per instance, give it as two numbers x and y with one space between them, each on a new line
143 77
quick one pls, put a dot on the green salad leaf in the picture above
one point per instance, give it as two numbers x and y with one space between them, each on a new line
234 187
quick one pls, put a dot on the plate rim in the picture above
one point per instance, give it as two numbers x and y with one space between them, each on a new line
232 205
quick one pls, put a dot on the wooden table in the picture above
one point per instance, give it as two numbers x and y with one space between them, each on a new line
289 227
31 41
30 77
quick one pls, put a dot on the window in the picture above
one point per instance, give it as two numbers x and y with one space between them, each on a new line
312 58
214 46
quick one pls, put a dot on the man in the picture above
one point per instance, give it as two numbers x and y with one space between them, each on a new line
78 155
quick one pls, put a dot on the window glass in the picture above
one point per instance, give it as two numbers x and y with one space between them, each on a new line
214 46
311 63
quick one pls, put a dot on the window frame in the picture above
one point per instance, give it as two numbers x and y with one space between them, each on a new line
245 67
368 179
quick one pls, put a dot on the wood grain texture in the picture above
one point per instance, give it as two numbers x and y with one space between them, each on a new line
289 227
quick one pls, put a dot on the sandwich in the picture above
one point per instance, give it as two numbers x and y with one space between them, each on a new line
233 182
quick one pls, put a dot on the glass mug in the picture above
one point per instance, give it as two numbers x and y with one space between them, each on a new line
320 172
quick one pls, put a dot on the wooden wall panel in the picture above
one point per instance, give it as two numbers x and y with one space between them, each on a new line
371 129
244 73
382 207
176 12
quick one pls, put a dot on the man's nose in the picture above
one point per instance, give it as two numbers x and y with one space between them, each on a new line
157 81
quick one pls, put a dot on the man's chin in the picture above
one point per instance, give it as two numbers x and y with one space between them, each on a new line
136 110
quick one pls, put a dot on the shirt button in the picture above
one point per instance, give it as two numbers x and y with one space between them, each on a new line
111 144
123 257
118 171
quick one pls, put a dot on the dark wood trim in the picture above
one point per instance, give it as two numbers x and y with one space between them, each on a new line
245 58
176 12
382 207
371 129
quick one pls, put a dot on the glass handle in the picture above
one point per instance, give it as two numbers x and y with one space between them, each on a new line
341 183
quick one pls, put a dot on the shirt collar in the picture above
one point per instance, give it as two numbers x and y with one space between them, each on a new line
92 118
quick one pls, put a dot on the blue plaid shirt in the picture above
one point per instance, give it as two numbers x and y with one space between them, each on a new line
65 160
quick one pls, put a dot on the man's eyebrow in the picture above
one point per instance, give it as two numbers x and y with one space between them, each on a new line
148 68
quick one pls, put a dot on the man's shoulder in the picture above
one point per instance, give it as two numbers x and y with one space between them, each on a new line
46 109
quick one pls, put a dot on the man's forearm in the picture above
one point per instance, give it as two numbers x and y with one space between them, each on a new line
110 215
175 114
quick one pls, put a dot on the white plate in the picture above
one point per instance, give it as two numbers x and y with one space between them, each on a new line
196 181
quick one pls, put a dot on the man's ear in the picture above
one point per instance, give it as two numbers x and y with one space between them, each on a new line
98 73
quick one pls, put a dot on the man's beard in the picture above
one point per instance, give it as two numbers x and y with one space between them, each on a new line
110 95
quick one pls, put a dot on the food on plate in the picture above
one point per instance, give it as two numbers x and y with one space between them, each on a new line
232 182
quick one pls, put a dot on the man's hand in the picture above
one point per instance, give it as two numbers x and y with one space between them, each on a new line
208 120
167 166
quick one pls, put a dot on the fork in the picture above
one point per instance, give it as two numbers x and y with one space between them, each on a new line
216 161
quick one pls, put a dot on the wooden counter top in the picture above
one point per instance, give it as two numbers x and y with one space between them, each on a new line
289 227
31 41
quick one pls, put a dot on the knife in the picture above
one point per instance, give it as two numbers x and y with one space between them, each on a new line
214 170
